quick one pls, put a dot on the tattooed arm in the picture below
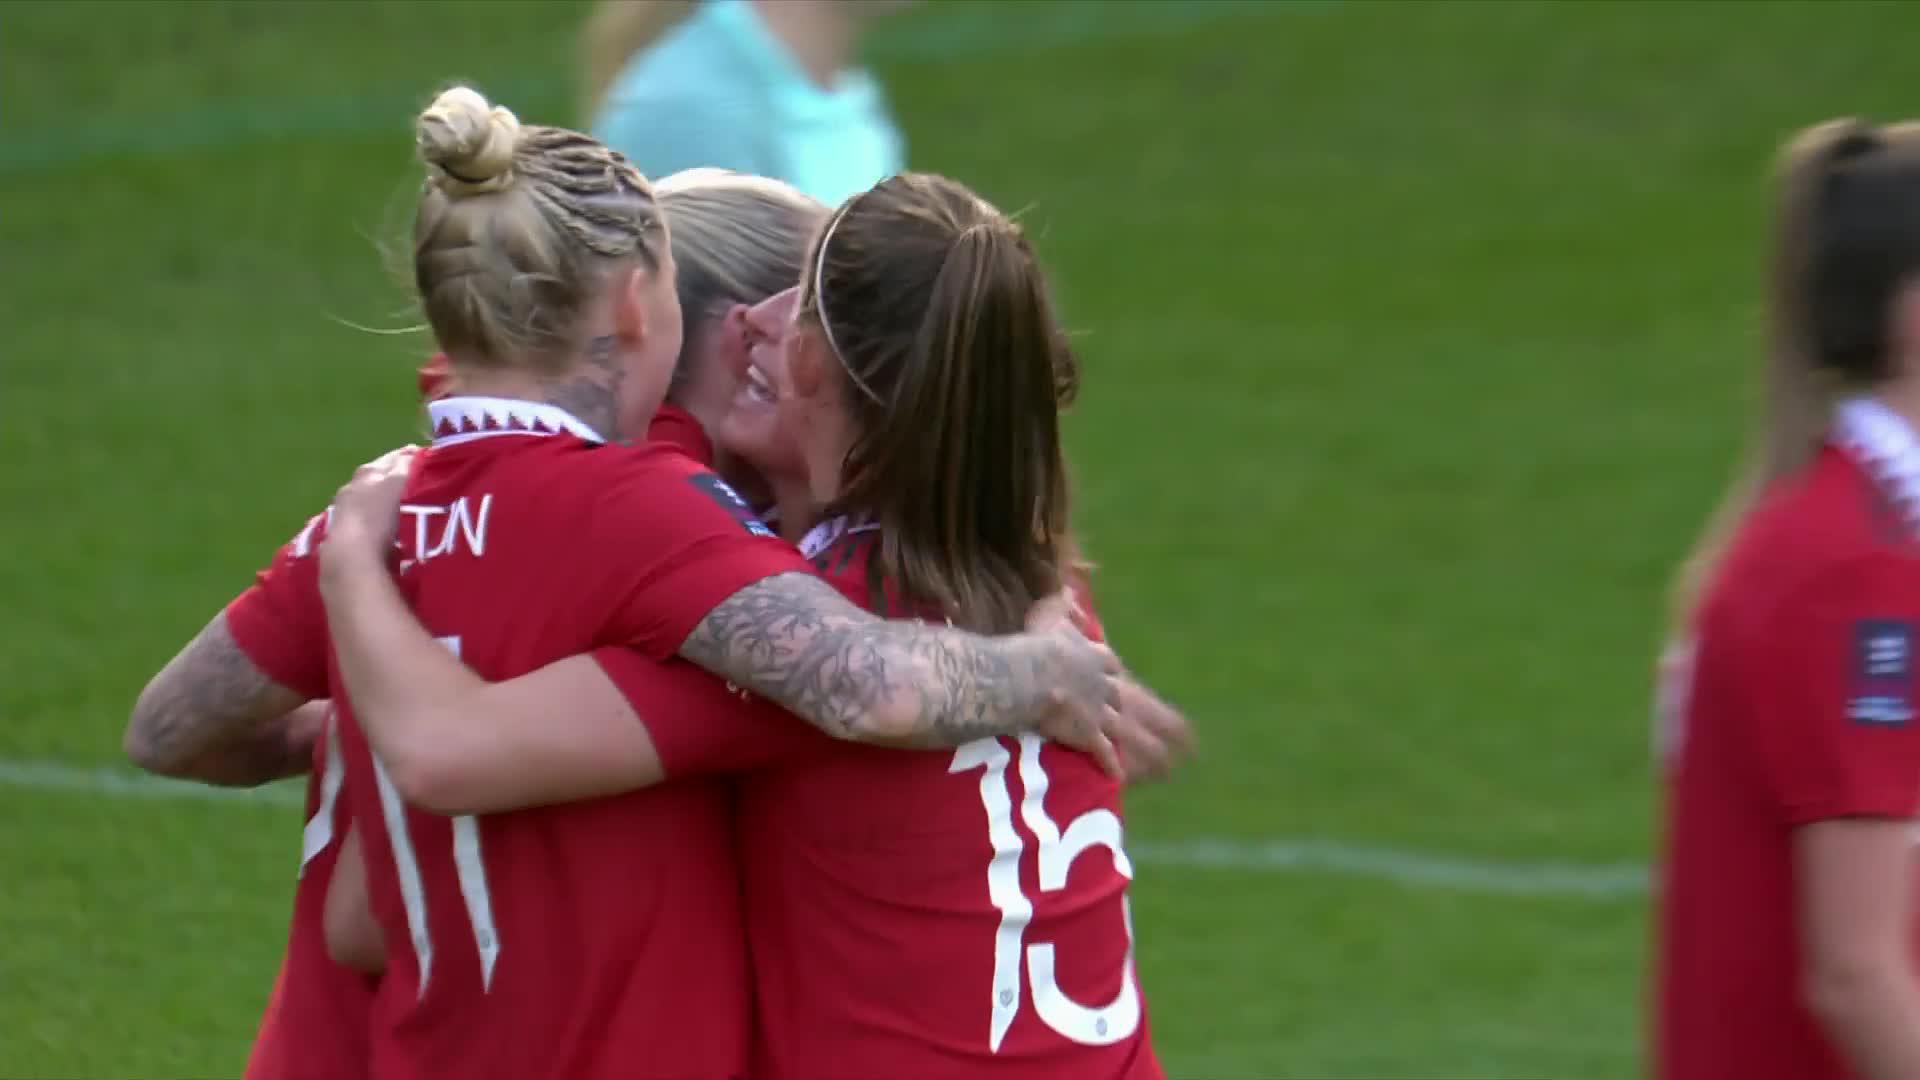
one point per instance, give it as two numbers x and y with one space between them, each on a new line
211 715
795 640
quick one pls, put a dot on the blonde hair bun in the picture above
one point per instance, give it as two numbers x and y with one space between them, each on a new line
468 142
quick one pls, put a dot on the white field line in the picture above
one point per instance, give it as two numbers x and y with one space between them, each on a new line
1322 858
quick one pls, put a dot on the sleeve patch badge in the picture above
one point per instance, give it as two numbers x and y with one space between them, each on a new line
710 485
1881 689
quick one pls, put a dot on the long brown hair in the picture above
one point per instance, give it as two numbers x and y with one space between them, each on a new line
956 372
1846 240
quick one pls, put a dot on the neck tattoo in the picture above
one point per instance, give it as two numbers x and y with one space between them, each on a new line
592 394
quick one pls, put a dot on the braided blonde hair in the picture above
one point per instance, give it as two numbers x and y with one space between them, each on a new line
737 239
516 230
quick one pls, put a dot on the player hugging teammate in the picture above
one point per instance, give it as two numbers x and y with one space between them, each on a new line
578 665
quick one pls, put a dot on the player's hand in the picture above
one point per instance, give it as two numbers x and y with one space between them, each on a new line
366 511
1086 686
302 728
1152 736
1060 609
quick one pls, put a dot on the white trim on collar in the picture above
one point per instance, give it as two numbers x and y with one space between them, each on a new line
463 419
827 533
1885 446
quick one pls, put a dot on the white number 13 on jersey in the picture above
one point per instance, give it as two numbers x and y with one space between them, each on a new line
1100 1025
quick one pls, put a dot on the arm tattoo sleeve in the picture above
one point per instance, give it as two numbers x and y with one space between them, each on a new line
208 697
794 640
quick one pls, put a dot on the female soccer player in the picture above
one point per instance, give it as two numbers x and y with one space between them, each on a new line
541 262
736 240
1788 915
907 420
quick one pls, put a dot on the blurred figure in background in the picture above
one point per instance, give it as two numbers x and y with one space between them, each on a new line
766 87
1787 928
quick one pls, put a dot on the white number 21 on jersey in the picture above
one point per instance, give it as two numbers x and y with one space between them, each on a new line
1100 1025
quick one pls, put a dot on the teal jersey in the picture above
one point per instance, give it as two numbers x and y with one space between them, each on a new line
720 90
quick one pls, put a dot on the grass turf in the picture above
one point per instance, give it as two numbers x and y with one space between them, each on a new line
1415 342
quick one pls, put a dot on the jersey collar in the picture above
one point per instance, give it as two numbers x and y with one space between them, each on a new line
827 533
464 419
1886 447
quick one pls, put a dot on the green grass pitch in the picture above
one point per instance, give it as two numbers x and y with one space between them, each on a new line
1416 341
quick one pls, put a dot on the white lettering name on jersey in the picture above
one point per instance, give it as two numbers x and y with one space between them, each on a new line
443 530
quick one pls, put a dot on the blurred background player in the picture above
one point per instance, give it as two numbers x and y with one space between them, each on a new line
1788 917
768 87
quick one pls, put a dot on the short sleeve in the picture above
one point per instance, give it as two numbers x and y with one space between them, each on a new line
675 541
279 621
700 723
1836 684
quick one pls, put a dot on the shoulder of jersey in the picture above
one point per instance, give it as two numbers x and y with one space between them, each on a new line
1833 513
1833 521
566 472
607 460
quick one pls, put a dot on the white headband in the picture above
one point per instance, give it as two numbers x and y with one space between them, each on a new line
820 303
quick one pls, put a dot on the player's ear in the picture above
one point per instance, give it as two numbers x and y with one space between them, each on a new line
630 305
807 362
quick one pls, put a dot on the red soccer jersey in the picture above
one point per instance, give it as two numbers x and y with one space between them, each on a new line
676 427
1795 706
315 1025
915 914
596 939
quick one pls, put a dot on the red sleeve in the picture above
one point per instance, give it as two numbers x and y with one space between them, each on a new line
676 541
699 723
279 621
1835 682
